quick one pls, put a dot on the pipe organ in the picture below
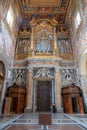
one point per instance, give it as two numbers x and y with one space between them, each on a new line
43 39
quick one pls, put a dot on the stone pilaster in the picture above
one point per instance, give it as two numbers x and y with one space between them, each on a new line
58 91
3 96
29 91
83 80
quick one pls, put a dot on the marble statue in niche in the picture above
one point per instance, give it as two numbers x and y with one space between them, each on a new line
19 77
68 77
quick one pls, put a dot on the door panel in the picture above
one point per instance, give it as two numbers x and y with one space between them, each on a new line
67 101
81 105
14 105
43 96
75 104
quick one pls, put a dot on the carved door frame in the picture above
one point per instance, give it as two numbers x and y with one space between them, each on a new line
34 99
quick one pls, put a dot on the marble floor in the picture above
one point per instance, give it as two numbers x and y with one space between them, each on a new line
30 121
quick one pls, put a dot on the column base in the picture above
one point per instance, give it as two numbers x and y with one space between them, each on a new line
28 110
59 110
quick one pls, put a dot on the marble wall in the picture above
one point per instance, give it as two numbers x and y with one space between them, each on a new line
79 42
7 41
8 34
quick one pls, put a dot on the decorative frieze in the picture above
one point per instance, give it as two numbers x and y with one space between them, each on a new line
67 63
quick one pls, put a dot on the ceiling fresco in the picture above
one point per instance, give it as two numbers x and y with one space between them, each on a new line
45 9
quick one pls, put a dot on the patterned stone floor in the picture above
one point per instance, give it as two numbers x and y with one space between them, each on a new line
31 122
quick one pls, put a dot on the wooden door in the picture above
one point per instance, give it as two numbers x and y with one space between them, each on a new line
75 104
21 104
81 105
7 105
68 105
14 105
43 96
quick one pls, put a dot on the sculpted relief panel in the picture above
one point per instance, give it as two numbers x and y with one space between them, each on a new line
43 73
19 77
68 76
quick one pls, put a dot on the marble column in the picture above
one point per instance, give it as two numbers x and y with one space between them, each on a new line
32 41
58 90
29 91
55 42
3 96
55 38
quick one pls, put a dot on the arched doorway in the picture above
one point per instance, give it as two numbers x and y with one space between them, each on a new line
82 70
72 99
83 64
2 77
15 99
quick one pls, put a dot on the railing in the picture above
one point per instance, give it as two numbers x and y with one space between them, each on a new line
31 53
41 53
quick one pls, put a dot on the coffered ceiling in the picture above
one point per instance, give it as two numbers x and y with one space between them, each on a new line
45 9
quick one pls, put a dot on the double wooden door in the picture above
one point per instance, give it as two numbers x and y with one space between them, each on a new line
43 96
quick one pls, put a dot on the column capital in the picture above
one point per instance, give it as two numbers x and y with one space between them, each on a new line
30 68
57 68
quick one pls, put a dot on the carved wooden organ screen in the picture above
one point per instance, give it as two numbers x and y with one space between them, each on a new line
23 45
64 46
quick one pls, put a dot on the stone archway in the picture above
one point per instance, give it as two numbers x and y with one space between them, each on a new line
83 76
72 99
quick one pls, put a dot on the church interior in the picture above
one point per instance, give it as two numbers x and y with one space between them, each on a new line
43 56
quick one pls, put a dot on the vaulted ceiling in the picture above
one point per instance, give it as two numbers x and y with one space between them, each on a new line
45 9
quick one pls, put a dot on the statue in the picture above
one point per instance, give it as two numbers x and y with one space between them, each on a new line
19 79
